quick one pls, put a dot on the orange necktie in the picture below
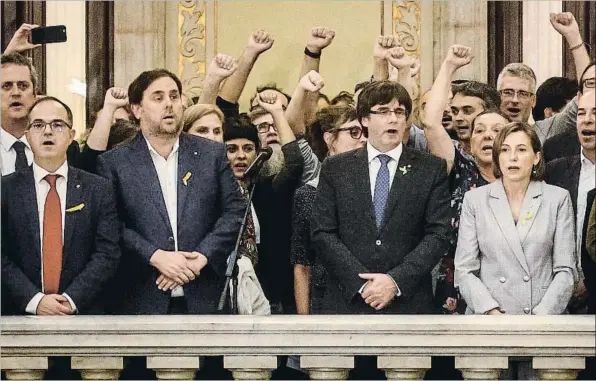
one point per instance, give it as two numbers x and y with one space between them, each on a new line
52 239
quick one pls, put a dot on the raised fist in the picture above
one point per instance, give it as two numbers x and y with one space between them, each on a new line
319 39
116 97
397 58
222 66
259 42
270 101
312 81
415 67
564 23
383 44
459 56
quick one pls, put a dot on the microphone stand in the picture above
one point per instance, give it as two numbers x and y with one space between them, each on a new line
232 269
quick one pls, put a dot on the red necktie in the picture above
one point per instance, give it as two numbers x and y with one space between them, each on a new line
52 239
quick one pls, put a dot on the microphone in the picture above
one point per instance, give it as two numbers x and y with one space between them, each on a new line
256 165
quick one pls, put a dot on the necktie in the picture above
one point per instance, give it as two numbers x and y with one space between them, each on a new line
381 189
52 239
21 161
248 242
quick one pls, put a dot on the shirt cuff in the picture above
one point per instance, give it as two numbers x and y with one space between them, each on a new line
362 288
73 306
398 292
33 303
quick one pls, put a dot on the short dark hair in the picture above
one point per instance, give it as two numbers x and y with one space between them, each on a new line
15 58
269 86
122 131
360 86
489 111
54 99
327 119
380 93
539 169
489 95
323 96
555 92
581 79
144 80
343 96
240 127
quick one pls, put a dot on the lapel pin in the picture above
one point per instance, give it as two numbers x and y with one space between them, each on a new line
75 208
405 169
78 185
527 217
186 178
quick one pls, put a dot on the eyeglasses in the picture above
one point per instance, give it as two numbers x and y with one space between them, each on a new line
57 125
355 131
263 128
400 113
521 94
589 83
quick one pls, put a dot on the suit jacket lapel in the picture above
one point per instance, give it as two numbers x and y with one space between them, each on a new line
502 213
399 184
74 200
529 209
187 156
29 204
362 186
574 173
145 173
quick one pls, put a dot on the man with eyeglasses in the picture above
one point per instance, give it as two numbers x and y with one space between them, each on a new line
380 221
60 234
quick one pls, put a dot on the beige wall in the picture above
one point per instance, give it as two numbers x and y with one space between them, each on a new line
346 62
65 62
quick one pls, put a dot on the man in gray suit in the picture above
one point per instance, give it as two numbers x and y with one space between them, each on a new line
179 204
381 218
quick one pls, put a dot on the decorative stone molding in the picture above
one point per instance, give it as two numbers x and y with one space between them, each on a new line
404 367
174 367
250 367
481 367
327 367
558 368
24 368
98 368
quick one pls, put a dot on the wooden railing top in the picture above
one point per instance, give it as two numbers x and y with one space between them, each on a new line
286 334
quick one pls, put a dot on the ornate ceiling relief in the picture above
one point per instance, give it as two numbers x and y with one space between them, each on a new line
406 25
192 45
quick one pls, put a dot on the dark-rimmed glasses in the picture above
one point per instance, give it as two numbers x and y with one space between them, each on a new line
589 83
521 94
264 128
57 125
400 113
356 132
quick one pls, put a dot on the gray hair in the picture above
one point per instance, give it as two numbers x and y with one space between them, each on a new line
518 70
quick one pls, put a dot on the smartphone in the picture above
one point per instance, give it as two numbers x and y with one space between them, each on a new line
48 34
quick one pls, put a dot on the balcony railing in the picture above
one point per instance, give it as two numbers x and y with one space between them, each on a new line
326 345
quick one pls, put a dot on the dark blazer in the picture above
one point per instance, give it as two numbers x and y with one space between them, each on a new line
407 246
91 252
210 210
588 264
273 199
564 173
561 145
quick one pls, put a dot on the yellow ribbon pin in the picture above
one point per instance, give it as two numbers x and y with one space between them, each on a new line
527 217
186 178
75 208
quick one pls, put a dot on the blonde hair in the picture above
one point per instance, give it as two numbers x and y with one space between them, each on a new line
196 112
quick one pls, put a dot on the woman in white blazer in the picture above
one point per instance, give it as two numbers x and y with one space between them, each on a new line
516 247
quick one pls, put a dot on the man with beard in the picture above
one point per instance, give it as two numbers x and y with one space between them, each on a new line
179 204
577 174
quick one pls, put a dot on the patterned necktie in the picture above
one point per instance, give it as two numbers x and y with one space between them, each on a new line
248 242
52 239
21 161
381 189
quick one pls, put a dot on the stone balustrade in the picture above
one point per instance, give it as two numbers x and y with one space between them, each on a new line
326 345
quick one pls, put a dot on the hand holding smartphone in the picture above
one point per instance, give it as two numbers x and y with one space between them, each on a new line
48 34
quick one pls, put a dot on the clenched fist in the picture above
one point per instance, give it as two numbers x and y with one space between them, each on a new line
565 24
222 66
116 97
259 42
312 81
319 39
397 57
459 56
270 101
383 44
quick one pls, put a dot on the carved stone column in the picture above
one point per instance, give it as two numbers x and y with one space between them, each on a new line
327 367
404 367
481 368
250 367
558 368
24 368
98 368
175 367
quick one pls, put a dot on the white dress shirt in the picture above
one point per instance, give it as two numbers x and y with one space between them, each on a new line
587 182
42 188
9 155
167 173
374 165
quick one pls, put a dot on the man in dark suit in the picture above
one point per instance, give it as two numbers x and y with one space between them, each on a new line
179 204
381 218
577 175
60 229
588 263
18 82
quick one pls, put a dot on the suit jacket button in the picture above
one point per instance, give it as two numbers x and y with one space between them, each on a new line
502 279
378 242
526 310
526 278
171 239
